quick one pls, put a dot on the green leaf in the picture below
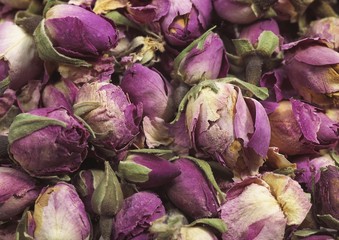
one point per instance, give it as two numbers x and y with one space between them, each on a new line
133 172
306 232
206 168
199 43
25 124
216 223
267 43
259 92
107 198
243 46
48 53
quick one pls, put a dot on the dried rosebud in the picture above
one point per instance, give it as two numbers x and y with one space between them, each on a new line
147 170
137 214
300 128
309 169
312 69
155 95
195 202
59 213
326 197
48 142
17 192
19 60
262 207
232 129
65 27
208 61
325 28
186 20
108 111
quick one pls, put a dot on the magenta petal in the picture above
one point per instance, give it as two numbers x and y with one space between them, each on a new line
318 56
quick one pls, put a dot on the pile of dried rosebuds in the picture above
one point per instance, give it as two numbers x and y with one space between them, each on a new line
169 119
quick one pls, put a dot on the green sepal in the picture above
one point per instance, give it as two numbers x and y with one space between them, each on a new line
216 223
267 43
49 4
243 46
84 108
22 228
151 151
193 93
133 172
48 53
198 43
334 155
329 221
206 168
55 179
259 92
25 124
4 84
87 126
107 198
120 19
306 232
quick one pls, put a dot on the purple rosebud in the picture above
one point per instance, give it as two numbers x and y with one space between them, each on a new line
312 69
195 202
107 110
30 95
77 32
325 28
17 192
155 95
208 61
262 207
59 213
60 94
309 169
186 20
327 195
19 58
228 127
137 214
48 142
147 170
300 128
146 12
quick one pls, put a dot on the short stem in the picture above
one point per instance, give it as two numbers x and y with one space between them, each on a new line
254 66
